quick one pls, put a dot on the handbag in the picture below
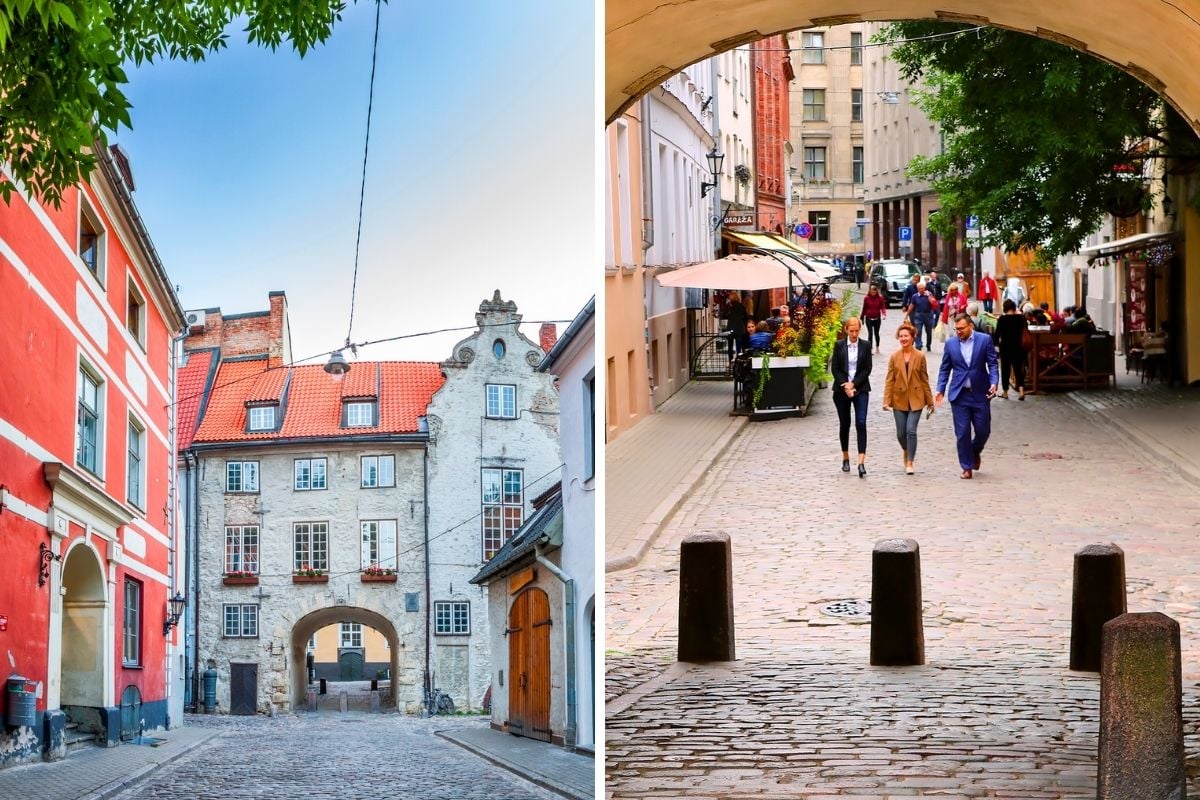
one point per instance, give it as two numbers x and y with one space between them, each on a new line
939 332
1026 340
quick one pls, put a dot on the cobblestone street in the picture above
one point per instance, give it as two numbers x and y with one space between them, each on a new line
333 755
995 713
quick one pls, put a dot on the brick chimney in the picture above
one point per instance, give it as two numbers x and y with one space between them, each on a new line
547 336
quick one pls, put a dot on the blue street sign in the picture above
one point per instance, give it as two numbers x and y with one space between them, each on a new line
972 222
804 230
862 222
905 234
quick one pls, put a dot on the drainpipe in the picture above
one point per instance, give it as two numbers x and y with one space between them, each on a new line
715 107
192 631
428 602
569 590
173 487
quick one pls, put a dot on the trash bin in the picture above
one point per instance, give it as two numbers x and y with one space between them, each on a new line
210 690
22 703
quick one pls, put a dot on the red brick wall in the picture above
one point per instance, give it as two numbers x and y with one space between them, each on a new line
548 335
243 335
771 121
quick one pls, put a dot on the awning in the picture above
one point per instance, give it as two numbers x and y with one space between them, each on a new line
763 240
740 271
1136 242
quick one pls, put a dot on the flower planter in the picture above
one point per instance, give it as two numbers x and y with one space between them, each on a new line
785 384
782 362
240 580
377 578
310 579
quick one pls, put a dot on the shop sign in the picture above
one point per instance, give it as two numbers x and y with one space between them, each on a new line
739 219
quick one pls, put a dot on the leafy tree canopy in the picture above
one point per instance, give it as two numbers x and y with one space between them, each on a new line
1038 138
62 68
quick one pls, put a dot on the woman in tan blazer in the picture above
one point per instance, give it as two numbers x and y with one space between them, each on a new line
906 392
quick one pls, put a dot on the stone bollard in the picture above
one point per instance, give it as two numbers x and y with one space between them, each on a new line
1141 716
343 701
706 598
312 699
897 631
324 687
1098 595
374 684
374 701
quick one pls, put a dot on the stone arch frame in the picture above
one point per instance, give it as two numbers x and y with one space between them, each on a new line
311 621
91 593
647 41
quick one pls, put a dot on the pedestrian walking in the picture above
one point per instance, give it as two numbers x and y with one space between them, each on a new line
988 291
921 310
968 376
954 304
874 311
736 316
906 392
850 365
909 291
1011 329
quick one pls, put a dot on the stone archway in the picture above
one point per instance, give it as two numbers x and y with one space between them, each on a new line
646 41
85 669
403 696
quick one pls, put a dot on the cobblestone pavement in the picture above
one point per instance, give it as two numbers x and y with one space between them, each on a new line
995 713
331 755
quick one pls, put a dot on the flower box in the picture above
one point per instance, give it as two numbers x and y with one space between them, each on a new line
310 579
240 580
781 362
369 578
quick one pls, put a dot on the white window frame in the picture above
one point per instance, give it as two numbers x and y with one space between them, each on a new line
378 539
310 546
452 618
131 628
350 634
377 472
261 417
354 412
247 472
92 376
501 516
242 548
135 463
501 402
88 213
138 333
309 484
244 618
812 45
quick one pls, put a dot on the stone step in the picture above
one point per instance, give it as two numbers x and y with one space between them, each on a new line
76 739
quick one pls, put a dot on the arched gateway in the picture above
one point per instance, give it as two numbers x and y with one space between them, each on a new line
647 41
406 691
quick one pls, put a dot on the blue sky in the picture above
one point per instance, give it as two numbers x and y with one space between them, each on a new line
480 176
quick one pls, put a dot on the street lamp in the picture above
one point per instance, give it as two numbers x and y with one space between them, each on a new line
715 159
174 612
337 366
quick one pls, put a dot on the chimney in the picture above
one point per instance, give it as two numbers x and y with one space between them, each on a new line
548 335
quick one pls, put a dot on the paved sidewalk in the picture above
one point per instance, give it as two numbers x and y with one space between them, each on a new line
97 773
651 468
572 775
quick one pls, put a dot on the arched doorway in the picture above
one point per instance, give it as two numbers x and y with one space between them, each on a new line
647 41
84 667
529 665
350 662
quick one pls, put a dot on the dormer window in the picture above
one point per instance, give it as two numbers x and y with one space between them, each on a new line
261 418
359 414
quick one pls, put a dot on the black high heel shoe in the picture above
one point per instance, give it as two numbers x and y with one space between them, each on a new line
845 465
862 470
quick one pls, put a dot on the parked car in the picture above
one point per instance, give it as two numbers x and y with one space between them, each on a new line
892 275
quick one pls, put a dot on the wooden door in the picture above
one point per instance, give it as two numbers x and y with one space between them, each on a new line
350 665
529 665
243 689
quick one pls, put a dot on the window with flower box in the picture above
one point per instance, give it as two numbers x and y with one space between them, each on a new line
310 474
503 507
379 543
241 548
452 618
310 546
241 621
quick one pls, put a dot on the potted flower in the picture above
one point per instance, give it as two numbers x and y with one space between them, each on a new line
240 578
378 574
306 574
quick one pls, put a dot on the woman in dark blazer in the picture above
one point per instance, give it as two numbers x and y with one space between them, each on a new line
1010 328
850 365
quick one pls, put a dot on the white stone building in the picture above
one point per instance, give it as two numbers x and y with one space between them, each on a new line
322 501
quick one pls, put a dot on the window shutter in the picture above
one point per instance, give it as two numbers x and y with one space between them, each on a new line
387 543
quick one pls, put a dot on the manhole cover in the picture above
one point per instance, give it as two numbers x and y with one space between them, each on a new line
847 608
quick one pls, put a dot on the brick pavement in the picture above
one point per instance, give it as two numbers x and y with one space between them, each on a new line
651 467
995 712
572 775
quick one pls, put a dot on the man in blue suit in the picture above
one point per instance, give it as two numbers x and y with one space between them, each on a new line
969 367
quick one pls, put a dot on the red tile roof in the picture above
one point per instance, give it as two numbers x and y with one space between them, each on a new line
189 386
313 404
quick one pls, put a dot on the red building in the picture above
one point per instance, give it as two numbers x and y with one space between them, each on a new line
86 467
772 73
